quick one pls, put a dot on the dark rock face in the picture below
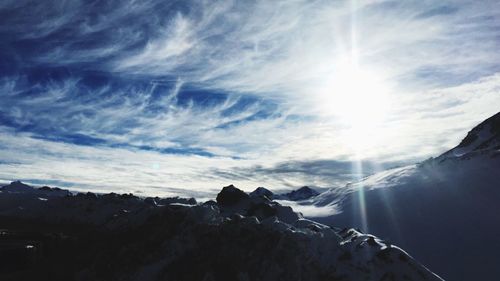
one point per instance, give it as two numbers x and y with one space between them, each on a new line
258 253
484 136
87 195
230 195
16 186
128 233
468 140
261 191
302 193
262 211
170 200
123 237
184 239
230 251
21 188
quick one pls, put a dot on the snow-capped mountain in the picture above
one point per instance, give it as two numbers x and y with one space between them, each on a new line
300 194
484 137
262 191
445 211
21 188
236 237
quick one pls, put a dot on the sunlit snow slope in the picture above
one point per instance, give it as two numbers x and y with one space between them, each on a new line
445 211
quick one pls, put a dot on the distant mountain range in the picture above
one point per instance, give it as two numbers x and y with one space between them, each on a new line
302 193
445 210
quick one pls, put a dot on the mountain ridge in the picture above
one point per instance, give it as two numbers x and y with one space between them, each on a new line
302 193
88 236
442 203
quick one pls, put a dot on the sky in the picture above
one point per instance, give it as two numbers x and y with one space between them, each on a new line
184 97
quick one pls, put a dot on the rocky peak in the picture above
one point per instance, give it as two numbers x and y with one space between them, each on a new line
230 195
483 137
302 193
262 191
16 186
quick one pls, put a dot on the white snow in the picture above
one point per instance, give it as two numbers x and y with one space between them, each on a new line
441 210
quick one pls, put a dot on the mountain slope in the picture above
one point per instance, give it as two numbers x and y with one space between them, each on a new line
483 137
445 210
300 194
238 237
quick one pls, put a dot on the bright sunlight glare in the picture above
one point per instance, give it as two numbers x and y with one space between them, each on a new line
359 99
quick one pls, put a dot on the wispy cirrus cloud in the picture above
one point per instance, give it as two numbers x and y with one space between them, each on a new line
106 145
233 45
142 114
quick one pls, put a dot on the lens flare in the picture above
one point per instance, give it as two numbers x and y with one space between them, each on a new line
359 100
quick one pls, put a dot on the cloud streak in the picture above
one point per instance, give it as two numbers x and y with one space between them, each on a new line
244 91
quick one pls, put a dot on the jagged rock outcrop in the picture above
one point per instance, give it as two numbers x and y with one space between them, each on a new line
262 191
300 194
239 237
230 195
484 137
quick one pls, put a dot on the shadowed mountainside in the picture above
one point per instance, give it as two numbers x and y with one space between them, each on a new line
443 210
49 234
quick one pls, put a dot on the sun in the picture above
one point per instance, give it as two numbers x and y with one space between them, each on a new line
358 99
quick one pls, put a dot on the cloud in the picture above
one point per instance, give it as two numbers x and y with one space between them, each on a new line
162 53
240 91
310 210
320 174
278 47
105 141
138 114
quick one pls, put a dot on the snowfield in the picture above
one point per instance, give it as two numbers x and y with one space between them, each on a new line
445 210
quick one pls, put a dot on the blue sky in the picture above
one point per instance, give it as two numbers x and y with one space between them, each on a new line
183 97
